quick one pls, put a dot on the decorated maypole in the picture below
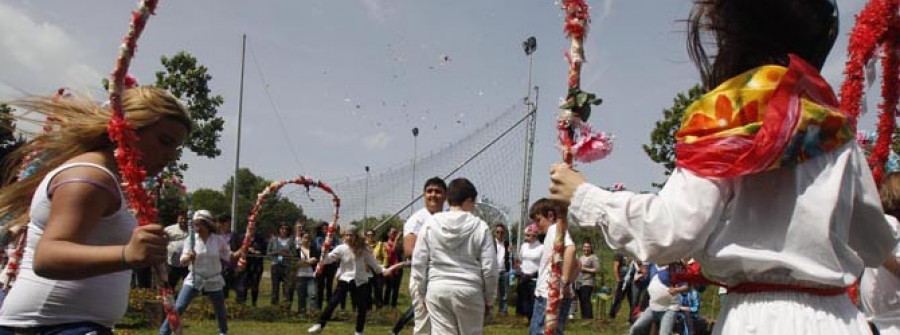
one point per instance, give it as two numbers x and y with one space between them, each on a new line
306 182
127 154
877 29
577 140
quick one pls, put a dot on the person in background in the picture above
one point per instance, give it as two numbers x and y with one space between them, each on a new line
249 279
393 250
544 212
325 280
435 194
503 265
377 248
177 235
228 267
590 266
527 271
663 304
454 269
304 282
623 271
205 261
354 258
281 248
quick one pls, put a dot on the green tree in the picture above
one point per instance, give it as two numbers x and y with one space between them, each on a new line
661 148
188 80
212 200
274 209
9 142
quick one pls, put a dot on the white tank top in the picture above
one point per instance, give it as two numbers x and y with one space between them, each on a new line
37 301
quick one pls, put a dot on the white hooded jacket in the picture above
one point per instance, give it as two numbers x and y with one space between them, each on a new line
455 248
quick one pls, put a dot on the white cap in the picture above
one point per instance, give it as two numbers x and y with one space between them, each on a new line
204 215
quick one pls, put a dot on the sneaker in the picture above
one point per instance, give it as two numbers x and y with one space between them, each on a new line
358 333
315 329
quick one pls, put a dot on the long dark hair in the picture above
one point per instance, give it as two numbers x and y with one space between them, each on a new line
752 33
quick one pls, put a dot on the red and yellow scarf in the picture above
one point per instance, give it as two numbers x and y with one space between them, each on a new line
763 119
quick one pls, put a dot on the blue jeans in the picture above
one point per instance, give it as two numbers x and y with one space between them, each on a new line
540 310
644 322
502 287
306 291
187 294
78 328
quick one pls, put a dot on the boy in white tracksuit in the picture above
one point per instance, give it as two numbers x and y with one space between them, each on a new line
454 265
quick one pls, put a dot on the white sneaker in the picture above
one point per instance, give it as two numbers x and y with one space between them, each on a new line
359 333
315 329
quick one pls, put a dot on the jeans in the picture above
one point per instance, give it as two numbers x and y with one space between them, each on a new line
502 285
187 294
392 288
377 282
540 309
525 296
306 290
643 324
622 291
78 328
360 294
248 280
405 319
584 302
279 281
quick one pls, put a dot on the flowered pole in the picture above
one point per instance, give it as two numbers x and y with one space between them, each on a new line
876 28
306 182
577 140
128 156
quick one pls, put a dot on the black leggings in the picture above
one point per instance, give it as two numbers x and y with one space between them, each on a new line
360 294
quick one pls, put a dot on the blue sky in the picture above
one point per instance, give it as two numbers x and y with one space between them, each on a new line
443 66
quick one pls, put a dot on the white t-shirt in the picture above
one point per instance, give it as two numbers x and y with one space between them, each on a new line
530 254
542 288
415 222
660 299
177 237
206 270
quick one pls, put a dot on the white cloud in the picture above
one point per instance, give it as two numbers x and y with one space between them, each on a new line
374 10
39 57
378 140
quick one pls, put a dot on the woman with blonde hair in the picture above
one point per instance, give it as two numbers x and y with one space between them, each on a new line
354 256
82 240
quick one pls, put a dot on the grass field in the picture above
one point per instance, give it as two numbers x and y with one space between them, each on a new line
267 319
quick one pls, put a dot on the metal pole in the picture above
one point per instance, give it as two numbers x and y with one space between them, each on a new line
415 132
530 45
237 156
366 205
